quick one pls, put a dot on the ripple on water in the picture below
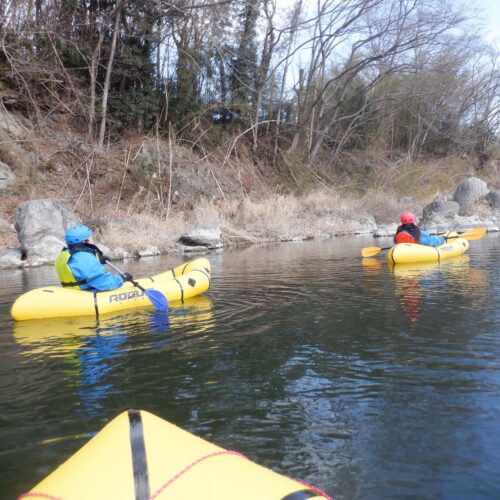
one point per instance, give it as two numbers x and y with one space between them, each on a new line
364 380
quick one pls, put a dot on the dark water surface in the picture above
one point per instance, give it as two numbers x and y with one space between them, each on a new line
367 382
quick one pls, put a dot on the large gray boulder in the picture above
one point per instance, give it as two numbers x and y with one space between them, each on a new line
441 206
470 191
207 235
10 258
439 224
493 198
40 226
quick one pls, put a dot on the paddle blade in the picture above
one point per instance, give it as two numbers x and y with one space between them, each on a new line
370 251
474 234
157 299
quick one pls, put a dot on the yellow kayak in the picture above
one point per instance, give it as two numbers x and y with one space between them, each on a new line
182 282
414 252
138 456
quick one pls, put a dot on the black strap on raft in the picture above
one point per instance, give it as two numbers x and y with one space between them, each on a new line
301 495
139 461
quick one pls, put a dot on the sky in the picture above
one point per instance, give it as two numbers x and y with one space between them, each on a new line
490 10
492 17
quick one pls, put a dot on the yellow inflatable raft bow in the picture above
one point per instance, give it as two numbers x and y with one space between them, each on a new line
414 252
138 456
182 282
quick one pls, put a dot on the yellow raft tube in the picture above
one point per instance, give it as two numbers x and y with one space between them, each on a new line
138 456
414 252
182 282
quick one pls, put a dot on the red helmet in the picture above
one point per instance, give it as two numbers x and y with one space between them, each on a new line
407 218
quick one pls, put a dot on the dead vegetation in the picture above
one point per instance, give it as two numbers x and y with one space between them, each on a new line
147 191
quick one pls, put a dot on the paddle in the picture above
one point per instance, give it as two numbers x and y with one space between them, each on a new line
156 297
472 234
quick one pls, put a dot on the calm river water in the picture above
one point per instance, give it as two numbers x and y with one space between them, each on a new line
367 382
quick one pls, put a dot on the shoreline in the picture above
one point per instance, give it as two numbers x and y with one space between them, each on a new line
39 225
231 242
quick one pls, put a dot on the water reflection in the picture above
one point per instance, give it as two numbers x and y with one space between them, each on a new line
421 283
89 367
417 283
371 266
92 349
59 336
300 358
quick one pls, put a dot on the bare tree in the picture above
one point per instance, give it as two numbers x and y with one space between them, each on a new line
368 40
102 131
393 71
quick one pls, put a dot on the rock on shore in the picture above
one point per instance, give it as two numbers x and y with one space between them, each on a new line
41 224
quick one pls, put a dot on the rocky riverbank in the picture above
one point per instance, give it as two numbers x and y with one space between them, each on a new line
146 197
40 226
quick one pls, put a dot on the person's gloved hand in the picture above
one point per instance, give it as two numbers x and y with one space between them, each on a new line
104 259
127 277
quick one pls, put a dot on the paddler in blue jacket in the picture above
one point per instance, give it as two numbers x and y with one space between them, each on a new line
79 265
409 232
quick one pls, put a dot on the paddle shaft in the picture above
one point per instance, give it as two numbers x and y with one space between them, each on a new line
155 296
122 274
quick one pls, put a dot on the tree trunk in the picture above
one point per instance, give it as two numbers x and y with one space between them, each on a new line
108 78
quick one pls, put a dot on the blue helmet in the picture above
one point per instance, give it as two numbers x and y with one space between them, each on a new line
77 234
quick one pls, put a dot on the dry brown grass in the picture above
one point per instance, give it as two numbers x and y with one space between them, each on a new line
147 191
423 179
390 187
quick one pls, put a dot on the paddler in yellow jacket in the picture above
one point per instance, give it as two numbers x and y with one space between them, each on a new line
79 265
